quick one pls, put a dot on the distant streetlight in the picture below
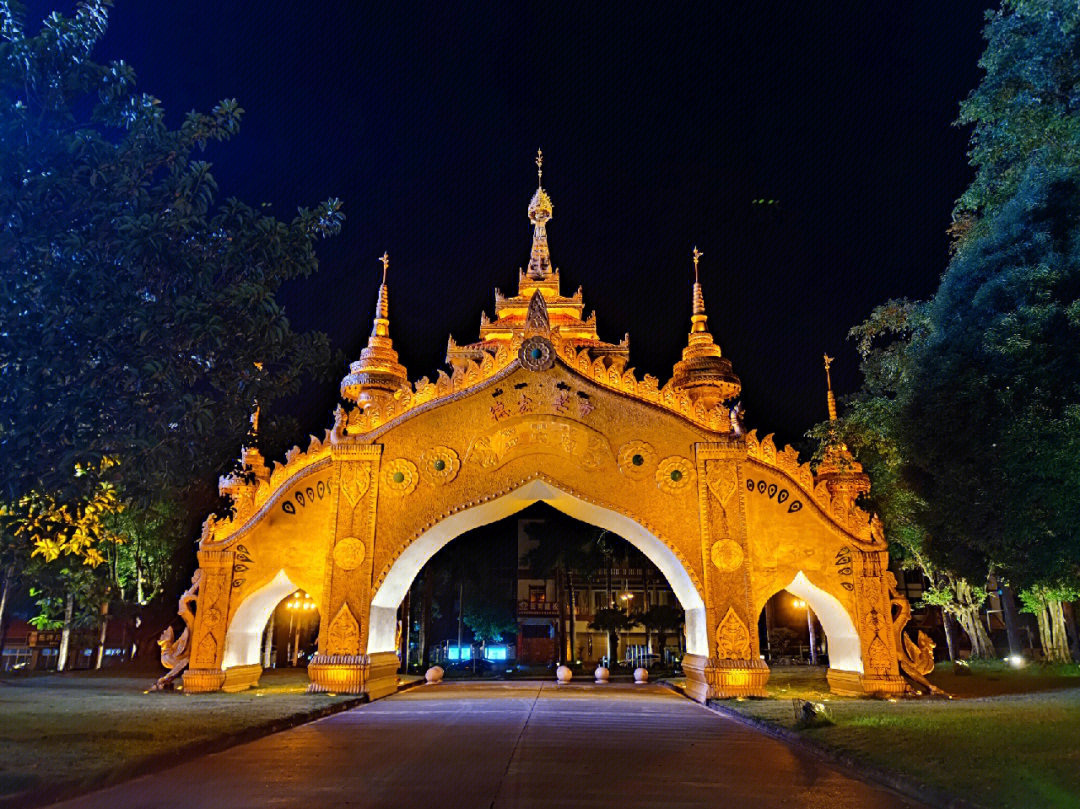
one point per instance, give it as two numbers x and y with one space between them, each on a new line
626 598
802 605
301 603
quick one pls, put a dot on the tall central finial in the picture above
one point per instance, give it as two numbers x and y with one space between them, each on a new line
697 257
540 210
381 327
385 259
830 398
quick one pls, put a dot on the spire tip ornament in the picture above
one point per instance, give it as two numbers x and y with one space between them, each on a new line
830 398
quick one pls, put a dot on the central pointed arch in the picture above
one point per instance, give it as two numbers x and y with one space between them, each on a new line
388 597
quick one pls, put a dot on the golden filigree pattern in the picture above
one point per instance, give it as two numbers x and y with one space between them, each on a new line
637 459
401 476
343 637
349 553
727 555
674 474
732 638
441 465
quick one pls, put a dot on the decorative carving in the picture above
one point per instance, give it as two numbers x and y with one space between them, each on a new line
722 480
400 476
441 464
349 553
206 656
537 321
674 474
355 480
522 435
878 657
732 638
536 353
916 659
343 637
637 459
727 555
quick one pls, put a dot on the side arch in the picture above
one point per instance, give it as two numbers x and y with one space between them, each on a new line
845 647
384 604
243 640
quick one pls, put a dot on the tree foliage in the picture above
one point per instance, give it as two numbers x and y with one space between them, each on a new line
134 305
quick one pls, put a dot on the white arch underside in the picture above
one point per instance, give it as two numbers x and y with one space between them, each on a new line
243 641
383 619
845 650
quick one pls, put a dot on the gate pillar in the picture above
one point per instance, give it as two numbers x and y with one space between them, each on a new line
211 622
734 667
342 664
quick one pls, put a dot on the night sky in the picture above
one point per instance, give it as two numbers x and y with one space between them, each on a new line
659 128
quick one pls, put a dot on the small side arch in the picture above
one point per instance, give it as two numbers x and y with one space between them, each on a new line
399 578
243 641
845 648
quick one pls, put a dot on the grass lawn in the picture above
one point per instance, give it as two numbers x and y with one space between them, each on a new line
82 729
1009 738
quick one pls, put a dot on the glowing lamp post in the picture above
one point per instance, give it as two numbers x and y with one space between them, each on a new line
802 605
299 604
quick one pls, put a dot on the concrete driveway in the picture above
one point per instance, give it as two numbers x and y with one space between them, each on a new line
495 745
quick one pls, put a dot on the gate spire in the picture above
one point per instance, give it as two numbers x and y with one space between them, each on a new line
377 374
540 211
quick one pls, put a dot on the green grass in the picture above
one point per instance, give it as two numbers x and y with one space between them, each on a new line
1008 739
76 731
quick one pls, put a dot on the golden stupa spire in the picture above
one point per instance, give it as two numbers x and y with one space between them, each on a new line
377 372
540 210
698 316
830 399
703 372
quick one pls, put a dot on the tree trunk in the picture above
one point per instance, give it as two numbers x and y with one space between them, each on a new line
950 633
1070 625
967 614
1059 645
9 577
1012 623
65 634
572 598
268 640
460 615
99 659
425 621
560 603
406 627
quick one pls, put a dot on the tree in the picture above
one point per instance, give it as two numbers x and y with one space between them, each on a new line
489 621
612 621
135 307
661 619
872 425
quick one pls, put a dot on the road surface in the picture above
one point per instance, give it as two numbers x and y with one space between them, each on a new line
502 745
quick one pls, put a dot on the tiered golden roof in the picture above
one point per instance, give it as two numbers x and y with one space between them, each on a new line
565 314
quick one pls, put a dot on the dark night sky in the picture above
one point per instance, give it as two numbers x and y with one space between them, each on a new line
658 129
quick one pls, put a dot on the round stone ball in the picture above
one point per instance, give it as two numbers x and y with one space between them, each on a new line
434 675
641 675
563 674
601 674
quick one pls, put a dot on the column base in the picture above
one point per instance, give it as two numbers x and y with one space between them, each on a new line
856 684
374 674
202 681
708 678
241 678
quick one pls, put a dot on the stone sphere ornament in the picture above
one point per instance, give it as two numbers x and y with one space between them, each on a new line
434 675
601 674
536 354
641 675
563 674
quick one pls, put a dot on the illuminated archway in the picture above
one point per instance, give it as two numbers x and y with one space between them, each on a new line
845 649
243 642
384 604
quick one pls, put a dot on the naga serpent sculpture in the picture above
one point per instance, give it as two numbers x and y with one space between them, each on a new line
175 653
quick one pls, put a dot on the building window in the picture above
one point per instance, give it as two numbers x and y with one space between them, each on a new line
537 594
536 631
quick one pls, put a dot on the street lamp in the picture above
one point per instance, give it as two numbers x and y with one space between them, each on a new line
802 605
300 603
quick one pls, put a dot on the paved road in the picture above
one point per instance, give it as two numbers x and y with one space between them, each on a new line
494 745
